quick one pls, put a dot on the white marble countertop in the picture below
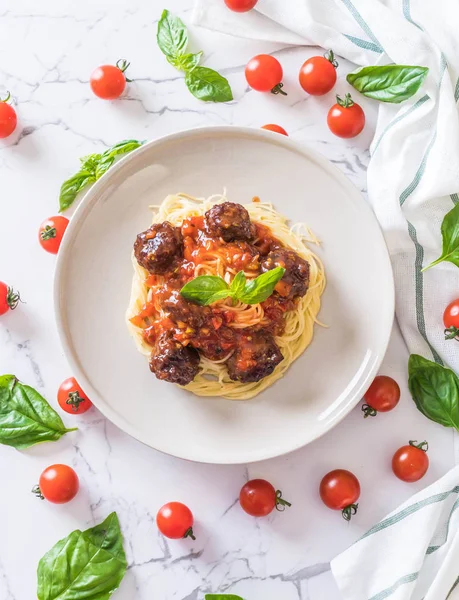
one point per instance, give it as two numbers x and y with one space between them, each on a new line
48 51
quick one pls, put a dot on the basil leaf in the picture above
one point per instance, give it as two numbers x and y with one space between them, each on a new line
238 284
262 287
172 35
26 418
435 390
208 85
450 235
201 289
222 597
389 83
218 296
87 565
90 162
187 62
71 188
108 157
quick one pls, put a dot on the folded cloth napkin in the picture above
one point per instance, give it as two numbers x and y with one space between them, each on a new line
412 554
413 175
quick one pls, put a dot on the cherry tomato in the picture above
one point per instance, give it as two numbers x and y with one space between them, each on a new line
9 299
259 498
410 463
240 5
346 118
71 397
58 484
451 320
382 395
51 232
175 520
108 81
340 490
8 117
276 128
318 74
264 74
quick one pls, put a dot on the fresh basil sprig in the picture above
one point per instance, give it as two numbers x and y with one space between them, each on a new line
204 83
435 390
207 289
92 168
389 83
26 418
222 597
86 564
450 235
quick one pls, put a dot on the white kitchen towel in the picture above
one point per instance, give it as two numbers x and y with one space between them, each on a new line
413 175
412 554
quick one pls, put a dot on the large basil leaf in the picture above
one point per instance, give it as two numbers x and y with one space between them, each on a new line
259 289
202 290
208 85
86 565
73 186
172 36
389 83
450 235
222 597
108 157
238 284
435 390
25 416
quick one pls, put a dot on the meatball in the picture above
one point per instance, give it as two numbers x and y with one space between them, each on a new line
181 310
173 362
296 276
157 248
255 357
229 221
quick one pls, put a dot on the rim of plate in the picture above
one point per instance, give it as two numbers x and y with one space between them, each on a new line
90 199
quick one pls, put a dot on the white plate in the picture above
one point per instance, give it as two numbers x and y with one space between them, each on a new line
93 280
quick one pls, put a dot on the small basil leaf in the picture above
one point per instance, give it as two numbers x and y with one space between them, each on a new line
222 597
389 83
90 162
450 235
188 62
71 188
208 85
172 35
86 564
259 289
435 390
238 284
218 296
108 157
26 418
201 289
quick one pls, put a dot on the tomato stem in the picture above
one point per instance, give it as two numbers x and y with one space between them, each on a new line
368 411
74 400
330 55
189 533
280 502
277 89
122 65
7 99
424 446
37 491
451 333
12 298
48 233
346 103
349 511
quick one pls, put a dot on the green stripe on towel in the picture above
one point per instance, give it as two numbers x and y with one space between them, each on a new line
390 590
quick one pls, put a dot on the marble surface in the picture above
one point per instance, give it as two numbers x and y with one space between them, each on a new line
48 51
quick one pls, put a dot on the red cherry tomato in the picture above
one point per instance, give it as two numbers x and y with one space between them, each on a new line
346 119
340 490
58 484
264 74
276 128
451 320
108 81
410 463
382 395
71 397
51 232
259 498
240 5
8 117
175 521
9 299
318 74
